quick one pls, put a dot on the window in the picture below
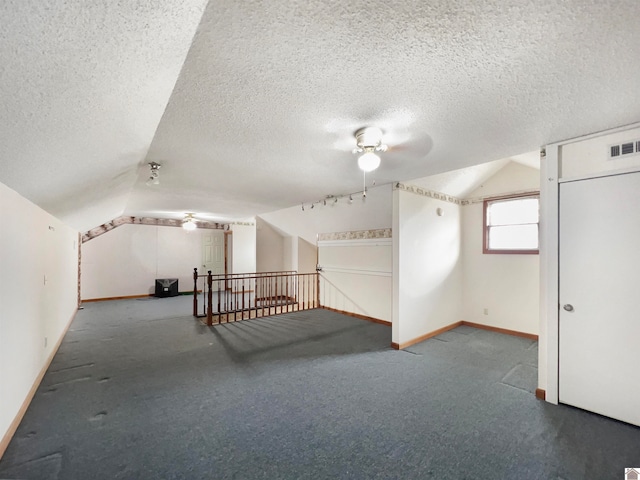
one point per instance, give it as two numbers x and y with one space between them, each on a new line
511 224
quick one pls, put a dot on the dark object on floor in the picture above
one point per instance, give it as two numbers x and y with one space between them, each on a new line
166 287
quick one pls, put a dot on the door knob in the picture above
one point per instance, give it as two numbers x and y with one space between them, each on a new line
568 307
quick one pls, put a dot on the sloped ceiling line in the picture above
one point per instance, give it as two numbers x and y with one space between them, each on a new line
163 222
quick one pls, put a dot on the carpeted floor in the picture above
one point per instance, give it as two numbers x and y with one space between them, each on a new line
140 390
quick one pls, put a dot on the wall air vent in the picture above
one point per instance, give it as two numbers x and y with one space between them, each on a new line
615 151
627 148
622 150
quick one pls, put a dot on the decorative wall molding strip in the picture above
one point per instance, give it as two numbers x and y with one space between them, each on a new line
356 235
451 199
365 242
427 193
246 224
163 222
469 201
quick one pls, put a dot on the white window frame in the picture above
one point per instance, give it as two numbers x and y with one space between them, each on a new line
485 227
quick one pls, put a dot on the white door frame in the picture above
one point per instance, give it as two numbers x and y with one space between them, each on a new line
550 178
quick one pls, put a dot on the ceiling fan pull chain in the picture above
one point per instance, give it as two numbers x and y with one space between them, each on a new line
364 185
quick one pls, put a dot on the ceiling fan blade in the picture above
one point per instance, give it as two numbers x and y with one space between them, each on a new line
413 150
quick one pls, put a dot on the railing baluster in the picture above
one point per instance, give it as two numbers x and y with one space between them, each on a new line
226 301
270 297
234 309
287 294
261 296
277 300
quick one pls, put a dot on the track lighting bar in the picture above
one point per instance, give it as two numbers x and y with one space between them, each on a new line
333 200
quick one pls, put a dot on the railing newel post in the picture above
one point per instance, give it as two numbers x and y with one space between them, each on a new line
195 292
209 299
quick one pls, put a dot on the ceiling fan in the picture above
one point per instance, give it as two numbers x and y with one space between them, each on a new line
369 141
397 151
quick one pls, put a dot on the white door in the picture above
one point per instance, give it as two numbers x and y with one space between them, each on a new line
599 368
213 251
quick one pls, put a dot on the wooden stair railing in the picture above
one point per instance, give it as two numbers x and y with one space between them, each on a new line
253 295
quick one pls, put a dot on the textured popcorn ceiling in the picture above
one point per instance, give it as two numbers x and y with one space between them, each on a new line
251 106
83 85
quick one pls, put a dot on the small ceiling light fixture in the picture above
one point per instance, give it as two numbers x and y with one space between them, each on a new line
154 178
369 141
189 223
368 162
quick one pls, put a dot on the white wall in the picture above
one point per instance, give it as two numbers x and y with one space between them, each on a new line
374 213
34 246
290 245
427 278
270 248
244 248
307 256
357 276
126 260
506 285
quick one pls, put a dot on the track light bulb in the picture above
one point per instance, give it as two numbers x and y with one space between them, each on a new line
154 178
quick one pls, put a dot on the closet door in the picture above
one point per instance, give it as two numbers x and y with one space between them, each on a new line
599 363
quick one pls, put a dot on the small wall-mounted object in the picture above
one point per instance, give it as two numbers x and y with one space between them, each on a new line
439 212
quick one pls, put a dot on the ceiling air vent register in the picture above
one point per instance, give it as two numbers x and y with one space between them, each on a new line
625 149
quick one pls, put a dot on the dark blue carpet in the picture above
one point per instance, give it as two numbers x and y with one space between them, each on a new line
139 390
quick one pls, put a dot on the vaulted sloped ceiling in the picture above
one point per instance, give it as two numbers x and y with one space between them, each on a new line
251 106
83 87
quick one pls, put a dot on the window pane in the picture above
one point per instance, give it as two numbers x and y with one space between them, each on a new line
507 212
514 237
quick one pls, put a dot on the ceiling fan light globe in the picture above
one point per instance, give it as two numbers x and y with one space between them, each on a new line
189 225
368 162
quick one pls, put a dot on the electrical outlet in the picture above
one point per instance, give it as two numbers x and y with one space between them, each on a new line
486 311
